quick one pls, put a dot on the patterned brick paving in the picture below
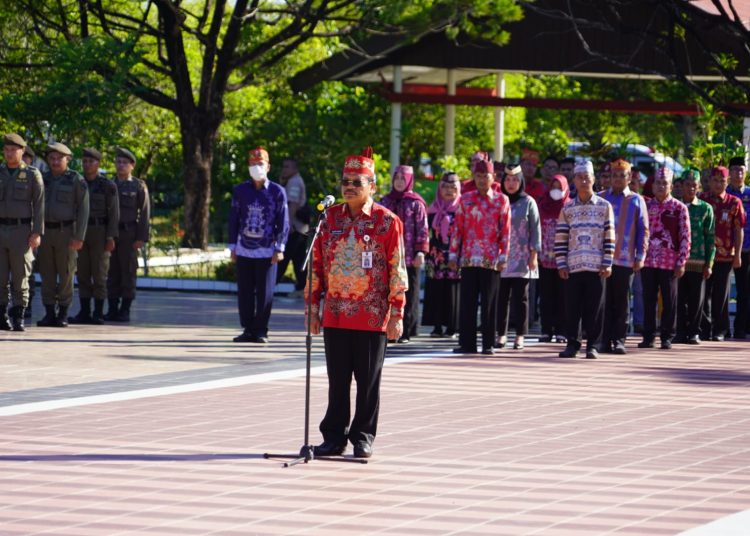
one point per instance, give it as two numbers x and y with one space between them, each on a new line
523 443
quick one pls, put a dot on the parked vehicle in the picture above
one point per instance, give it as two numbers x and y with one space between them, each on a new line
641 156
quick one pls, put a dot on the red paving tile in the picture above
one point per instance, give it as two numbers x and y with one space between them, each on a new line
651 444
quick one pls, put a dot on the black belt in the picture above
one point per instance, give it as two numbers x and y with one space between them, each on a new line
97 221
126 226
14 221
58 224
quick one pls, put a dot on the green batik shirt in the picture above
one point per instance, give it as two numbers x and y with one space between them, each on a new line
702 244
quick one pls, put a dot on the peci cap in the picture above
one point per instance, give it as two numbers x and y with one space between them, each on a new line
484 166
92 153
620 165
14 139
362 164
737 161
720 170
124 153
58 147
258 156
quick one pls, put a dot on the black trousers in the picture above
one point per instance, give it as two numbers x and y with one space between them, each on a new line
690 295
584 300
617 305
513 298
441 304
359 353
411 309
655 280
256 280
478 284
551 301
715 319
742 285
296 246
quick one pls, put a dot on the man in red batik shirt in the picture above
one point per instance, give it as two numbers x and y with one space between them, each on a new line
358 269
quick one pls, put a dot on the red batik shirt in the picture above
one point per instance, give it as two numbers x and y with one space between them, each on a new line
358 268
730 219
481 231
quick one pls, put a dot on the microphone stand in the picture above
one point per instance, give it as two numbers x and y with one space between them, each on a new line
306 453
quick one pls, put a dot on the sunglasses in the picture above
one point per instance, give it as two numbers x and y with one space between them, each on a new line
357 183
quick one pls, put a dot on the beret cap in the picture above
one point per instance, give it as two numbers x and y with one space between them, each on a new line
14 139
58 147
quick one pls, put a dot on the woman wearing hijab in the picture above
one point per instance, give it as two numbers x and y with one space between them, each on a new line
441 283
525 244
551 290
412 210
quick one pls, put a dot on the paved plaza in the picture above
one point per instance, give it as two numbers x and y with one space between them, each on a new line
160 427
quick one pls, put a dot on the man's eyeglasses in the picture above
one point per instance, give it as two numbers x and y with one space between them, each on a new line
357 183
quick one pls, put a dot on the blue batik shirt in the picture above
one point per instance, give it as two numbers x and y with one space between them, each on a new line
258 221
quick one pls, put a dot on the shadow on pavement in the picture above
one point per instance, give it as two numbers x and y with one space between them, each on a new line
129 457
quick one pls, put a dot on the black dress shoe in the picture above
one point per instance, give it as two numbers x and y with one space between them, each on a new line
591 353
462 350
739 336
694 340
619 349
362 449
329 448
244 337
718 338
261 339
645 343
570 351
488 351
666 344
403 340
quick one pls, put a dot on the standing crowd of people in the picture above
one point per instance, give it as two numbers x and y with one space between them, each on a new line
71 225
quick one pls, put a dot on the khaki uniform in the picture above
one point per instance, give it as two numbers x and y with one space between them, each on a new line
104 218
134 225
66 219
21 214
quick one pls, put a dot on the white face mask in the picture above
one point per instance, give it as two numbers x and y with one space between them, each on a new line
556 194
257 172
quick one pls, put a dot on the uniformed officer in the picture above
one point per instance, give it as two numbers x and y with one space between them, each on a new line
29 156
93 258
65 222
21 227
133 234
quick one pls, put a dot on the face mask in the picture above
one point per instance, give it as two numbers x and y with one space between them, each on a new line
257 172
556 194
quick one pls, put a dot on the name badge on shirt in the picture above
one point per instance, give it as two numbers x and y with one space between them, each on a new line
367 259
724 215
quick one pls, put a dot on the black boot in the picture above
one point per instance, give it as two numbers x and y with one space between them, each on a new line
16 318
49 319
84 315
4 320
113 311
61 320
124 315
98 316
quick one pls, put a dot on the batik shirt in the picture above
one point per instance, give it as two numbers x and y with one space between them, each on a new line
730 219
525 235
669 225
631 226
258 220
585 237
702 246
358 268
744 196
436 263
413 215
482 230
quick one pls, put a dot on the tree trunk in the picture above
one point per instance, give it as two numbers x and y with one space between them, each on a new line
197 157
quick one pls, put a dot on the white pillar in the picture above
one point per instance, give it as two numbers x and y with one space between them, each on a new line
746 137
450 116
395 153
499 118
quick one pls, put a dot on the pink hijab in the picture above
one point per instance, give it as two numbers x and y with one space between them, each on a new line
408 193
442 208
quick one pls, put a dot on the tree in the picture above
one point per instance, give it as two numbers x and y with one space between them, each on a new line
186 57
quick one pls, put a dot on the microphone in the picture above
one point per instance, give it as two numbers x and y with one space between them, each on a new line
326 202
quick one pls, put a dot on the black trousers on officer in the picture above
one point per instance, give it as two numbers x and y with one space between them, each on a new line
655 280
715 320
361 354
742 285
584 300
690 295
411 309
513 298
294 252
256 280
476 284
617 305
551 301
